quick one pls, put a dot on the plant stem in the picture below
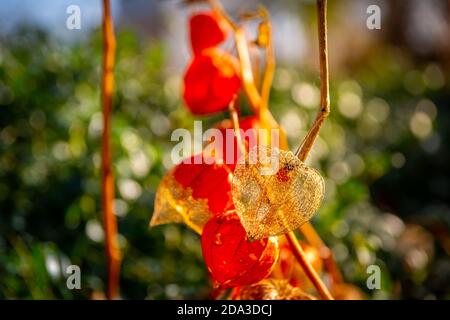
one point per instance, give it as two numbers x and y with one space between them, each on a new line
305 147
109 220
307 143
296 248
248 80
235 121
324 108
219 10
307 267
259 103
270 61
245 66
326 255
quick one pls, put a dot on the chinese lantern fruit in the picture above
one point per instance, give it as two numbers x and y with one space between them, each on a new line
231 152
254 132
272 289
206 31
208 180
191 193
345 291
288 268
232 260
211 82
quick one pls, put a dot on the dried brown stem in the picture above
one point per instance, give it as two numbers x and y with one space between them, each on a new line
307 267
270 60
220 11
248 79
259 103
306 145
109 220
324 108
326 255
235 121
246 71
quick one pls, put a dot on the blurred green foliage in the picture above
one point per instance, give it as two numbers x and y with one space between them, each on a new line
388 128
50 210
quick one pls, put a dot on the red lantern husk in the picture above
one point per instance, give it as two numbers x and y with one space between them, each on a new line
211 81
206 31
288 268
232 260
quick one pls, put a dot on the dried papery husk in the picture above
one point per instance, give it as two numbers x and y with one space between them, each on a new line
274 192
346 291
191 193
273 289
288 268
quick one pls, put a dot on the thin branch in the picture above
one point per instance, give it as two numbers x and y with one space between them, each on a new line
307 267
248 80
109 220
259 103
305 147
270 58
246 71
326 255
235 121
220 11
